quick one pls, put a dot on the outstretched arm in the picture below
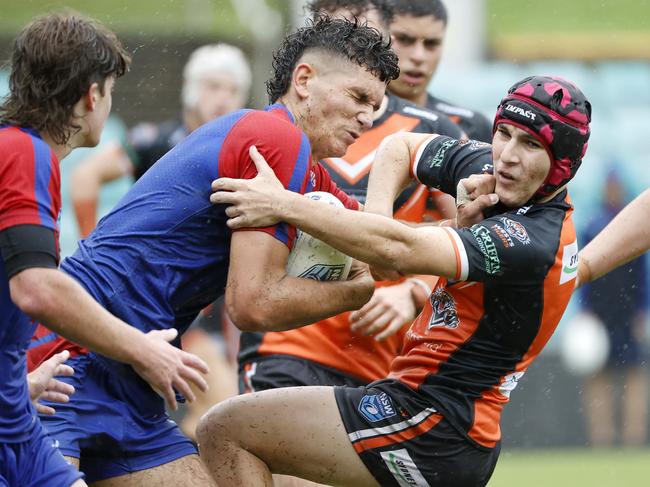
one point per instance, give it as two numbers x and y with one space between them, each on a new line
374 239
627 236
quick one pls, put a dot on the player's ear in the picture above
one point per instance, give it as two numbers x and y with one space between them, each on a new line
302 76
91 97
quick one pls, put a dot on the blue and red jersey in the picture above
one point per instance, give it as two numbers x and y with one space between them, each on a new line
29 195
162 254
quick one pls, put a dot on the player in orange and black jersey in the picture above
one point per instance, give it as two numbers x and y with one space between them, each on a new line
434 421
418 31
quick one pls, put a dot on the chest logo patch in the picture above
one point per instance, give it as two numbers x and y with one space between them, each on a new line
444 310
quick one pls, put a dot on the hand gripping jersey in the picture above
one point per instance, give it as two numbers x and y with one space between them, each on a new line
474 124
29 195
162 254
478 333
330 342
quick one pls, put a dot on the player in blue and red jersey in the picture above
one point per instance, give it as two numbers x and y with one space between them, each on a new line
63 68
435 420
165 252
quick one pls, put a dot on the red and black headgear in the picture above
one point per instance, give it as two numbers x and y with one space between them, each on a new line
556 113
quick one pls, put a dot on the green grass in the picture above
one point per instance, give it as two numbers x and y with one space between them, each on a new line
148 16
569 468
567 16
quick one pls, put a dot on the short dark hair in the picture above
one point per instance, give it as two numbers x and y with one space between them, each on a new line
54 61
356 42
420 8
318 8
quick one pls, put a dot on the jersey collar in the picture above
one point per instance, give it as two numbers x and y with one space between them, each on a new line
279 108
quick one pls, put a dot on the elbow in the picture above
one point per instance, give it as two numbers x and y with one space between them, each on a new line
30 296
246 315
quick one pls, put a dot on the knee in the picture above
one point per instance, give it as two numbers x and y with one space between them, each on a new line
214 427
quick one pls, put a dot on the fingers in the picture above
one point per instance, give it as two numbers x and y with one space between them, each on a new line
64 370
170 397
367 320
191 360
485 201
393 327
238 222
54 397
58 387
226 184
167 335
258 160
46 410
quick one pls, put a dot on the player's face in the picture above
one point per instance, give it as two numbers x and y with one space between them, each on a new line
218 95
340 107
521 165
417 41
96 119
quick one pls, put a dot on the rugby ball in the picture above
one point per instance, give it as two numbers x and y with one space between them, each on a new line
311 258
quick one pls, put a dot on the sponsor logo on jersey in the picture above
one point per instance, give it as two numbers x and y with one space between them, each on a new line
474 145
520 111
444 310
324 272
421 113
312 180
517 230
524 209
569 262
403 468
510 382
377 407
488 249
439 156
487 169
503 235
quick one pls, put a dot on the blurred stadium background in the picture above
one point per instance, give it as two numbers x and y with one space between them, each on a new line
604 46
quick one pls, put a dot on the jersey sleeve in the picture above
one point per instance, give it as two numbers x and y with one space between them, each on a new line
441 162
323 182
286 150
508 247
30 182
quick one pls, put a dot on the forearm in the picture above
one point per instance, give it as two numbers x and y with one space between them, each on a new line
291 302
389 175
374 239
62 305
623 239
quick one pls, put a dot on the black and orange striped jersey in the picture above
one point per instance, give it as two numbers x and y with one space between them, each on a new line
478 333
474 124
330 342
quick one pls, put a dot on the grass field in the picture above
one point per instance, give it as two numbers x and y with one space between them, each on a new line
573 468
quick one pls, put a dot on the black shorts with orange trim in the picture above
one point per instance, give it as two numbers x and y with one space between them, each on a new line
404 441
276 371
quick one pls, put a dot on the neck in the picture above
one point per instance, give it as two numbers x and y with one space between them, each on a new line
60 150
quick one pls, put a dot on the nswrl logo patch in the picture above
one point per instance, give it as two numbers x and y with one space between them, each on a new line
377 407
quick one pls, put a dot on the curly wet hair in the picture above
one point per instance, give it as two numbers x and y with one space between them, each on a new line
54 61
356 42
318 8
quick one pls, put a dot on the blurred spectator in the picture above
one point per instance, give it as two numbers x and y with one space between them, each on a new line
216 81
619 301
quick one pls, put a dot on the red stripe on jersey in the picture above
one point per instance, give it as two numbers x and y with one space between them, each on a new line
282 145
20 204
